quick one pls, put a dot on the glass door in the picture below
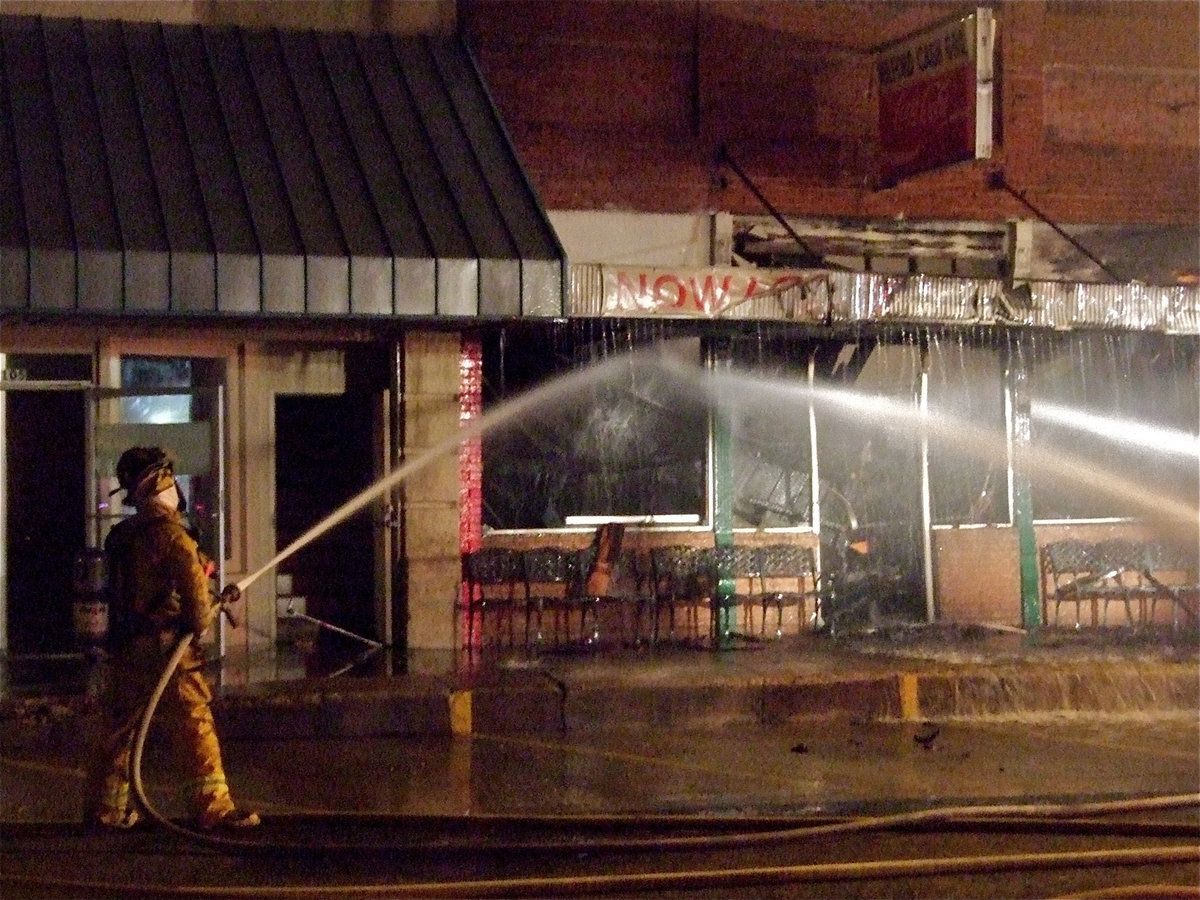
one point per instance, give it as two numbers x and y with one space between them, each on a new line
186 422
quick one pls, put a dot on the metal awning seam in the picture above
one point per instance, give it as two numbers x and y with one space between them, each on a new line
185 170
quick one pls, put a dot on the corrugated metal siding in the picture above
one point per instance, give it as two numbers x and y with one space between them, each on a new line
849 298
167 169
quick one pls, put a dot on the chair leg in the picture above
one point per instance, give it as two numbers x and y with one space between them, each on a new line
646 606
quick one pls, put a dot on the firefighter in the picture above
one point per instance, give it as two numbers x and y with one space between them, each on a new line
158 593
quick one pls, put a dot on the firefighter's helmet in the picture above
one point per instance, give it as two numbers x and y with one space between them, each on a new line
144 472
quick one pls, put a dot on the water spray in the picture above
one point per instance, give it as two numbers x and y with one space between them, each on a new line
1177 516
556 389
723 388
713 389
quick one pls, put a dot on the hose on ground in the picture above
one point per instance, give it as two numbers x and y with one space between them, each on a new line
951 814
654 883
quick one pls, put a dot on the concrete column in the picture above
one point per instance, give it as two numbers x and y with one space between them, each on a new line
431 494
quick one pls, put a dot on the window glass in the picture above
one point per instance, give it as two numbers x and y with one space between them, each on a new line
770 437
968 446
1114 419
47 367
155 373
867 439
868 444
625 440
153 382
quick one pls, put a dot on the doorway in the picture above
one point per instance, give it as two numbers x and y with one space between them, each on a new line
44 499
44 453
324 458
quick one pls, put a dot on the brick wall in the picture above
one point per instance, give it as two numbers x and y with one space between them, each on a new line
623 105
977 573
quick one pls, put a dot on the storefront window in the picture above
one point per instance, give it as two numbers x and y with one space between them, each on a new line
623 441
1114 424
968 444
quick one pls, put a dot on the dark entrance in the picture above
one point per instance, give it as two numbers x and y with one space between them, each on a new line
46 488
324 458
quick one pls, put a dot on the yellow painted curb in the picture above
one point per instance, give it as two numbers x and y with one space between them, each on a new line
910 703
460 712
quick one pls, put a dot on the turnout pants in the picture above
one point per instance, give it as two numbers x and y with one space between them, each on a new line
183 714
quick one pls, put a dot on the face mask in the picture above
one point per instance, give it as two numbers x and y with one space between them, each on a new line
168 498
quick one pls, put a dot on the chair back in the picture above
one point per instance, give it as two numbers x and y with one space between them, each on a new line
737 562
786 561
673 566
679 571
1068 558
492 571
1118 555
788 572
601 561
547 571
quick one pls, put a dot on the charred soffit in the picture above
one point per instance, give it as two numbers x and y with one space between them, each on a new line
153 169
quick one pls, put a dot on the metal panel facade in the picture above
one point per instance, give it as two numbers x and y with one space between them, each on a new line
159 169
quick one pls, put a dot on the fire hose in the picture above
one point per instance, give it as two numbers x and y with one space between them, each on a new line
741 839
230 594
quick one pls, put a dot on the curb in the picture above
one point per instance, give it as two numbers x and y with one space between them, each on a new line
536 704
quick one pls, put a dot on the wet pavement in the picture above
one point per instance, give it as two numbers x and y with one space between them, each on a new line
876 725
906 674
825 712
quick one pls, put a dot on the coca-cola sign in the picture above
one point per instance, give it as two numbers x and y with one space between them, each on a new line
935 97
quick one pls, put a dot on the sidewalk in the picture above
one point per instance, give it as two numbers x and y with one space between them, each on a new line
911 674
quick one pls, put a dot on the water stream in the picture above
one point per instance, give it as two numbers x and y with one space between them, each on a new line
532 402
730 391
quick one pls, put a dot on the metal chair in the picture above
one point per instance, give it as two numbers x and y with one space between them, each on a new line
1068 576
787 577
739 566
1171 571
1121 565
680 576
596 587
492 576
631 596
549 575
